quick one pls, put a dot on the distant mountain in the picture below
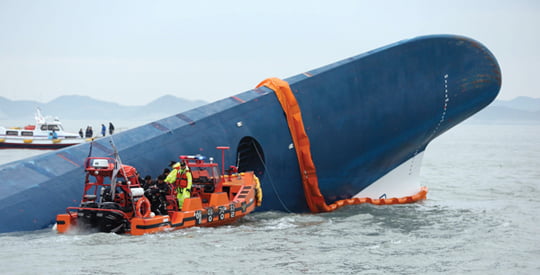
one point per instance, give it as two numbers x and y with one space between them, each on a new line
74 107
521 109
83 107
169 105
522 103
505 114
14 109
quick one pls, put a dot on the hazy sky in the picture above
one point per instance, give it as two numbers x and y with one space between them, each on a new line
133 52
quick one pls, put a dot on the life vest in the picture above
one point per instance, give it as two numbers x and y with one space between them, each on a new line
182 179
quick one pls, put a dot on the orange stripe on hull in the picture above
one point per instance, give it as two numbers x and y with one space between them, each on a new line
314 198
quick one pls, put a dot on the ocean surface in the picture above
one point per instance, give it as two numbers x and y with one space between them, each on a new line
482 216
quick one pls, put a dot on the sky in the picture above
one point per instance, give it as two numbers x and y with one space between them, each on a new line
132 52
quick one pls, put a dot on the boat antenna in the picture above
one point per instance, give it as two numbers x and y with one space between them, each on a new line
117 167
39 117
223 148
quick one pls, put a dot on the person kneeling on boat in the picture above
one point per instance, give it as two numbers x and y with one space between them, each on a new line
181 178
157 194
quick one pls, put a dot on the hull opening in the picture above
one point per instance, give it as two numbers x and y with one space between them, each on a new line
250 156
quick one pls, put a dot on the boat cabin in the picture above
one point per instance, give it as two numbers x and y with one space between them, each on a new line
103 186
206 177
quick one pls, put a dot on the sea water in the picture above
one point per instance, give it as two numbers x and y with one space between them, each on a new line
481 216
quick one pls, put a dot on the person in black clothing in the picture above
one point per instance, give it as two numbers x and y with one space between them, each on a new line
89 132
166 172
147 182
156 193
111 128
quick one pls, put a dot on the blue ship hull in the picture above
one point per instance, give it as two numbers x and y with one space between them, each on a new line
366 117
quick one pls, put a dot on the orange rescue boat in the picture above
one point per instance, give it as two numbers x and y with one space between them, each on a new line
116 202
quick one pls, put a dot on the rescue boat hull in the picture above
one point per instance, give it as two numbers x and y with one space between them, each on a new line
220 210
365 117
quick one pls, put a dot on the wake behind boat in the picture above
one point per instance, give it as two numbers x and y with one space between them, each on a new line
44 134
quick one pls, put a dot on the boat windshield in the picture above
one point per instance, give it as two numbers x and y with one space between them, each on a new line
51 127
206 174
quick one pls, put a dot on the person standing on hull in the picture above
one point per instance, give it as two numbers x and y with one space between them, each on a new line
103 130
89 132
181 178
111 128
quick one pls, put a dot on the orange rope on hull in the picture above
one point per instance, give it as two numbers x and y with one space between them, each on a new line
314 198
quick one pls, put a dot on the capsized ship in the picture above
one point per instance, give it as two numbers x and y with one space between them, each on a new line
356 128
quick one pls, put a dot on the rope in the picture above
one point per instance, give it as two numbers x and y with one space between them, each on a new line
270 179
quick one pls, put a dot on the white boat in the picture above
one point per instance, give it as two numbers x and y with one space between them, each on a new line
45 134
